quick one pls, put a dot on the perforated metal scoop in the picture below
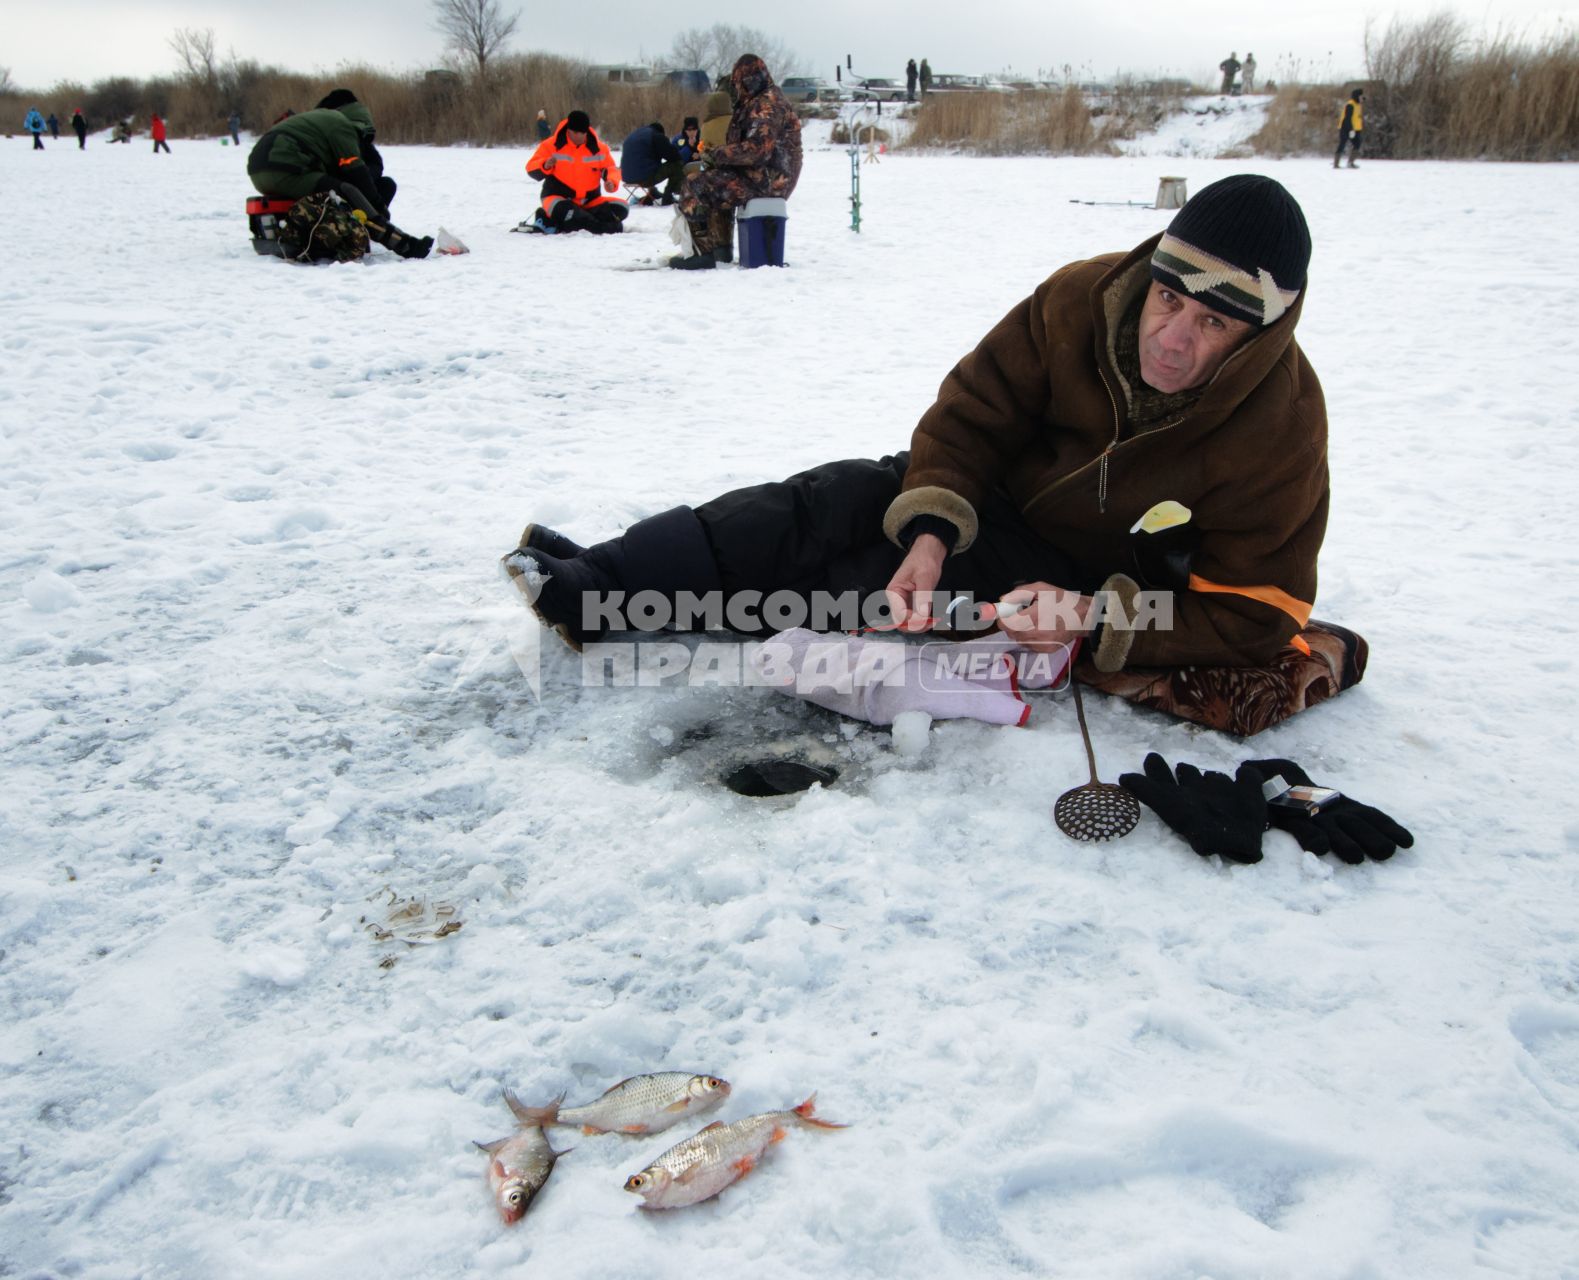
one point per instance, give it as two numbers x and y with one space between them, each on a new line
1094 810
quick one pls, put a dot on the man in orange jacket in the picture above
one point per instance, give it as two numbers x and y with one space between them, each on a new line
580 179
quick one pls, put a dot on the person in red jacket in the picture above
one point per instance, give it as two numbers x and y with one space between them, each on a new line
580 180
156 127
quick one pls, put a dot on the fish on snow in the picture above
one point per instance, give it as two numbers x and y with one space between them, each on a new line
703 1165
639 1105
519 1165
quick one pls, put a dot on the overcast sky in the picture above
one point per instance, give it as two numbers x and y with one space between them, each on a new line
43 41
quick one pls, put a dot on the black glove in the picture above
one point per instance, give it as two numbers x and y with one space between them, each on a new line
1215 813
1352 830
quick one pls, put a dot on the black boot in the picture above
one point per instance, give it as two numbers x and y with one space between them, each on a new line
564 594
539 537
395 240
667 553
404 246
696 262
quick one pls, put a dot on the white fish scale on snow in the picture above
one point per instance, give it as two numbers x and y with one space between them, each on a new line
706 1163
641 1104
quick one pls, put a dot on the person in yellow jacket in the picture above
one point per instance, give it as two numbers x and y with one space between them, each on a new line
1350 127
580 180
715 120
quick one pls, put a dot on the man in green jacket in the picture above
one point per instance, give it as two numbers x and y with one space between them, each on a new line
1166 379
323 150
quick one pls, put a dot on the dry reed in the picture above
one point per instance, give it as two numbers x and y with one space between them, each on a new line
1066 121
441 107
1434 92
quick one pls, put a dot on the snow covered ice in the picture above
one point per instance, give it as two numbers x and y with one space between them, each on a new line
261 672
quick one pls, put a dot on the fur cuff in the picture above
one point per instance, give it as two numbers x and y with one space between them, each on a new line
931 500
1116 632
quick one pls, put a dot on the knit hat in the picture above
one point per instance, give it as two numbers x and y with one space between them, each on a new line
578 121
1240 247
690 123
337 98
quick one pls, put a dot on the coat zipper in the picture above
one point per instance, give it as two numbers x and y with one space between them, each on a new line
1102 462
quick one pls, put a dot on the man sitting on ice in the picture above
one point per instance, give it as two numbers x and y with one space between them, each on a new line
579 180
324 152
1166 378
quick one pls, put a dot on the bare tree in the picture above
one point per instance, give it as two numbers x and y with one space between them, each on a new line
476 29
199 55
7 85
715 50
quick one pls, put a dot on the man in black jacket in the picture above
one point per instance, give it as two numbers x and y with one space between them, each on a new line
648 157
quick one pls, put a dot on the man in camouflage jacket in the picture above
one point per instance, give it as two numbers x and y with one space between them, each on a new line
761 156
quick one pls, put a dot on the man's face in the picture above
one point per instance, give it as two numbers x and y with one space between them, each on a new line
1182 342
577 136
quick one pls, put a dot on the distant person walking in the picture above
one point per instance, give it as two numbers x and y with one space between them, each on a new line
1229 66
543 127
925 76
54 127
234 125
911 76
79 126
156 127
33 122
1350 127
1250 73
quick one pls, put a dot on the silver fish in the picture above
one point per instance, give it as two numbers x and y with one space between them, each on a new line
703 1165
641 1104
520 1164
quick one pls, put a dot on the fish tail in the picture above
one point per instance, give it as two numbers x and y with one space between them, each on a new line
534 1115
806 1113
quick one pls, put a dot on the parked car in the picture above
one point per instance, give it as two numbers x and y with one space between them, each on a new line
800 88
824 104
624 75
948 83
875 90
694 81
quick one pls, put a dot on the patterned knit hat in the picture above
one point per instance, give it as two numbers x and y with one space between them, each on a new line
1240 247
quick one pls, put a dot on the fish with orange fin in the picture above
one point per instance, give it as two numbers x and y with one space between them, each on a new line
518 1166
703 1165
639 1105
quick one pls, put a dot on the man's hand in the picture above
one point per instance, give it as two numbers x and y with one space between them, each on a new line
548 165
910 592
611 183
1054 618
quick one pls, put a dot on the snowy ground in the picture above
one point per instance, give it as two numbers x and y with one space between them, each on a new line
259 667
1209 126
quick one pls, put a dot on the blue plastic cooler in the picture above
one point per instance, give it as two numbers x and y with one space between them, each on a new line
762 224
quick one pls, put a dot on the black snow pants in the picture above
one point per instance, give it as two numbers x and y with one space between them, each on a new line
822 532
